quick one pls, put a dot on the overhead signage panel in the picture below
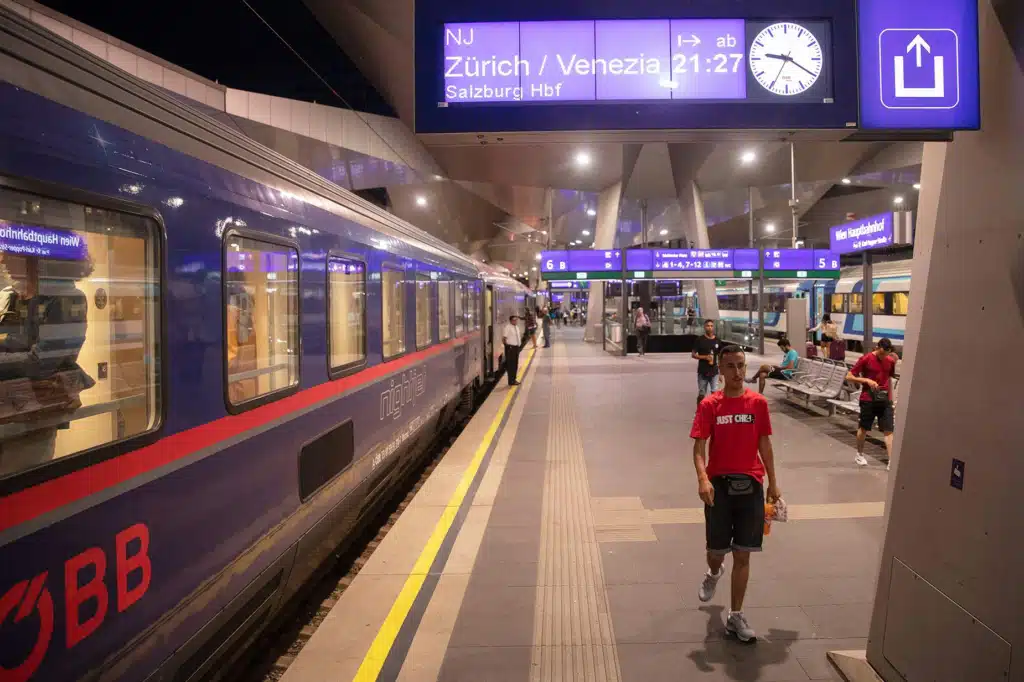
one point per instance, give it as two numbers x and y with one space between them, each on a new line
861 235
554 261
595 260
788 259
693 259
768 64
636 61
919 64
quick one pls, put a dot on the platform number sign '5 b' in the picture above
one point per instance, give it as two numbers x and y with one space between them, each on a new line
919 64
29 609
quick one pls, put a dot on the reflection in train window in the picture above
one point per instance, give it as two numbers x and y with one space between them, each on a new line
838 303
392 284
79 329
444 310
424 320
261 291
856 304
347 321
473 306
460 308
900 303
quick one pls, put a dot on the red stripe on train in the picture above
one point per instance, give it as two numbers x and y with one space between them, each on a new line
32 502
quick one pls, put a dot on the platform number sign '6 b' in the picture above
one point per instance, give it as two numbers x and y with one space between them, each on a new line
29 611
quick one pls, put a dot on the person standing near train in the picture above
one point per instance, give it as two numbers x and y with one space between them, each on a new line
513 341
829 333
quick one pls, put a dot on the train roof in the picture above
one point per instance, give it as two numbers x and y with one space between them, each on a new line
39 61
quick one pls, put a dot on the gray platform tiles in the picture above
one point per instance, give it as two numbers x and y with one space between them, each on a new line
810 591
581 555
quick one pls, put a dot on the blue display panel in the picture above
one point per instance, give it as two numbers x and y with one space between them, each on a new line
788 259
825 260
919 65
639 259
746 259
557 65
861 235
693 259
594 261
554 261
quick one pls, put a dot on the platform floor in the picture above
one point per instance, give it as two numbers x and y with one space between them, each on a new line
562 539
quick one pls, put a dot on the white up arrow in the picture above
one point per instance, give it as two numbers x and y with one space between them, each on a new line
918 42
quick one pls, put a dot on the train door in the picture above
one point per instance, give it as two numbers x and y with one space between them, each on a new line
489 330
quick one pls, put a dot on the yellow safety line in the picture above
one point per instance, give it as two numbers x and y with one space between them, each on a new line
373 662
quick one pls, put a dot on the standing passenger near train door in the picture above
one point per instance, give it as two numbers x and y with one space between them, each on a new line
706 350
513 340
730 479
874 372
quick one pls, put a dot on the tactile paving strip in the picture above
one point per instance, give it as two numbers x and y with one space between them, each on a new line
573 637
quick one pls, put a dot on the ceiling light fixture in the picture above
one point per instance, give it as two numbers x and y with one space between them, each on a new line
586 233
537 257
748 157
421 200
582 159
769 227
917 185
591 212
898 200
847 181
663 232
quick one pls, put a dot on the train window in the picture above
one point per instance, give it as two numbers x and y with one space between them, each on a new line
855 303
878 304
261 283
460 308
424 320
346 318
837 303
473 313
900 303
444 310
392 284
79 328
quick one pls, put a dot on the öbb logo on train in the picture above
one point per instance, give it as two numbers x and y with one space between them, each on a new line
28 610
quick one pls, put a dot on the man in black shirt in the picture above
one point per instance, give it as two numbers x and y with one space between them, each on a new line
706 350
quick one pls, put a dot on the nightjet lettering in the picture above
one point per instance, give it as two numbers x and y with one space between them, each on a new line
402 390
734 419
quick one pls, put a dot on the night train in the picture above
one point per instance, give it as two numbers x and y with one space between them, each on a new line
890 298
215 366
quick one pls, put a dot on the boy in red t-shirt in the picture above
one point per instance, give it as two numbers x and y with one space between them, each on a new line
730 481
874 372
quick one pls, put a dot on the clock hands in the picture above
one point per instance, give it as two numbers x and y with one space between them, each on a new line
786 59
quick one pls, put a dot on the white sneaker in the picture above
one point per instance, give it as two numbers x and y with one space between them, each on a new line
861 461
887 466
738 625
708 585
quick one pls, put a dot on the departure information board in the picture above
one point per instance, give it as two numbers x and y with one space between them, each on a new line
667 263
637 60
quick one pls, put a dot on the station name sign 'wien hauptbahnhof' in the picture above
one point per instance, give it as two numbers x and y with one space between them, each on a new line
546 65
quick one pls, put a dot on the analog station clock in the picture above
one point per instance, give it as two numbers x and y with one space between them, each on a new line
786 58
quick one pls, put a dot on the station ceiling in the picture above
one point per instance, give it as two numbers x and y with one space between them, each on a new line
513 172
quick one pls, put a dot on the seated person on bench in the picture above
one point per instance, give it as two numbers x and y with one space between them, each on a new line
784 371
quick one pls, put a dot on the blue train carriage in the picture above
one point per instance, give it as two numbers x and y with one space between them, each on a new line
734 302
890 300
215 366
503 296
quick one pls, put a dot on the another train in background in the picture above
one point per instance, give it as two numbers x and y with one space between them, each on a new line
839 298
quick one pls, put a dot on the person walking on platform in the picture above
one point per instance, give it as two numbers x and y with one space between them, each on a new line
829 333
642 324
706 350
730 481
531 329
513 340
874 371
546 327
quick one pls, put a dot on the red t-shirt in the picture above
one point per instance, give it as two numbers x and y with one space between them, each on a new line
735 426
870 366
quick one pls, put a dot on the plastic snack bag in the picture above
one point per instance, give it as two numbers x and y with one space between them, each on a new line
774 512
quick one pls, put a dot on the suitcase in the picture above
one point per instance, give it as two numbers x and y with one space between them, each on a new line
812 350
837 351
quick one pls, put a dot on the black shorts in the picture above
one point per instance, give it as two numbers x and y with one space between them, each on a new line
736 521
777 373
825 338
871 410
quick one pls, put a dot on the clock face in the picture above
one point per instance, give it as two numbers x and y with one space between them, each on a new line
786 59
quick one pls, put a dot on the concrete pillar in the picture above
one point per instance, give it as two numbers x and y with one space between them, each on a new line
696 228
607 225
948 604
